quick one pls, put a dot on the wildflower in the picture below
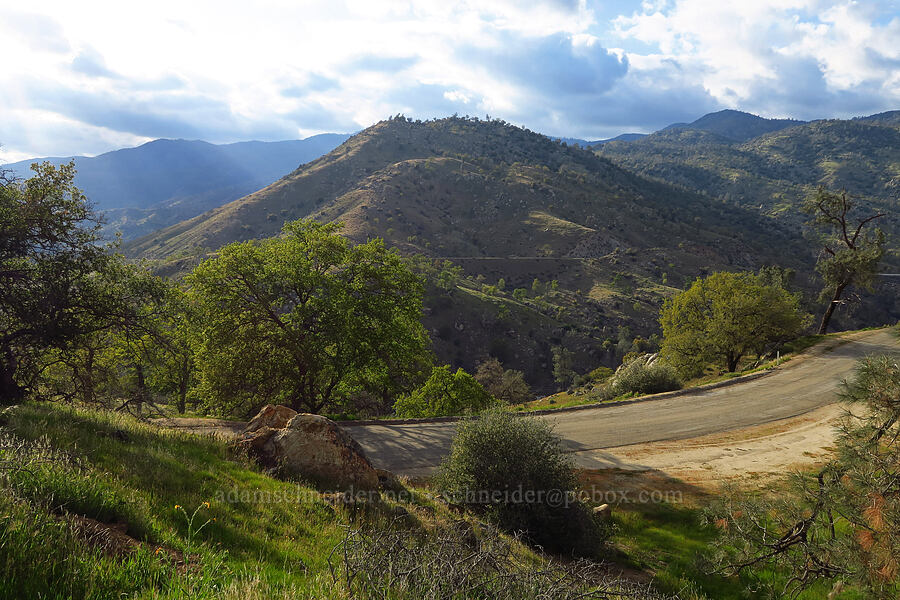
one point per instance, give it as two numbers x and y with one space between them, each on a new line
177 506
206 504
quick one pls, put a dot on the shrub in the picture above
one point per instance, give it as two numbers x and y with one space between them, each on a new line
466 561
600 374
444 394
642 376
506 385
513 469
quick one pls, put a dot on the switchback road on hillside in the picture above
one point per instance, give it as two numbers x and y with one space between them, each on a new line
801 385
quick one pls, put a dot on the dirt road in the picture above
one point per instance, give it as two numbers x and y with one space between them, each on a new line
621 436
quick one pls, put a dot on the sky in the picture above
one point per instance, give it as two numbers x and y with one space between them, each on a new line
82 78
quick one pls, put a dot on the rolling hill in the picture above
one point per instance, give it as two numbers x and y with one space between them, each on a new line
775 171
164 182
505 204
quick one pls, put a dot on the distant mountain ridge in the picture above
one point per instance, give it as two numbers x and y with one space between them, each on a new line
166 181
776 170
736 125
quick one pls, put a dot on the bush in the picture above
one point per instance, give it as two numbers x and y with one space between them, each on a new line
641 376
465 561
513 469
644 377
444 394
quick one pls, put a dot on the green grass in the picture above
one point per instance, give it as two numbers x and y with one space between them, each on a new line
670 542
281 547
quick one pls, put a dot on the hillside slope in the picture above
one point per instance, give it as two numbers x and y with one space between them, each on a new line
163 182
776 171
505 204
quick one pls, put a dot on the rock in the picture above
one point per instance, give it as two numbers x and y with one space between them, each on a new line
256 445
603 512
313 448
272 416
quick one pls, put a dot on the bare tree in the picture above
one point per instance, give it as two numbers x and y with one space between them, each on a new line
850 254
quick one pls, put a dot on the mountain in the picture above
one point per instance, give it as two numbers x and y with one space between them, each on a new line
891 117
625 137
774 172
506 204
166 181
736 125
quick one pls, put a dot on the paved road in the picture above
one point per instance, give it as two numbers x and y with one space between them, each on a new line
798 387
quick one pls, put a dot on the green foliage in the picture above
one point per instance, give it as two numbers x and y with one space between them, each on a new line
444 394
116 363
515 470
600 374
59 282
642 376
724 317
448 276
520 294
841 523
506 385
563 360
306 320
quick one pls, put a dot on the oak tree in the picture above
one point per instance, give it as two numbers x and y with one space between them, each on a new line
724 317
305 319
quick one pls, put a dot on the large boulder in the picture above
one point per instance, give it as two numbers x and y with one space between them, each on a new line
313 448
272 416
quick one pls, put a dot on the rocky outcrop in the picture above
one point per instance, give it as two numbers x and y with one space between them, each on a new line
312 448
274 416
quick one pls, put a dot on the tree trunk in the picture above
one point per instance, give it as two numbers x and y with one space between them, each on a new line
142 388
183 385
87 381
10 391
826 318
732 362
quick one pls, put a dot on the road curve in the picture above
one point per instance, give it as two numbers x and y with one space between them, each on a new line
798 387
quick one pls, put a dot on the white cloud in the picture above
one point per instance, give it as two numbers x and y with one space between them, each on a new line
103 74
736 49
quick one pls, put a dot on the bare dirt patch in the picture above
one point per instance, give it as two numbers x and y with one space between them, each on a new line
752 455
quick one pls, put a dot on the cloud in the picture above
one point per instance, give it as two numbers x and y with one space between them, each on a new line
38 32
800 58
387 64
559 63
90 63
159 115
575 68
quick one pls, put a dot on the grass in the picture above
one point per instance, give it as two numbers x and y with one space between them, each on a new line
669 540
263 534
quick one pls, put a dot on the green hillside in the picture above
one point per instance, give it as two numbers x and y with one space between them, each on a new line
775 171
